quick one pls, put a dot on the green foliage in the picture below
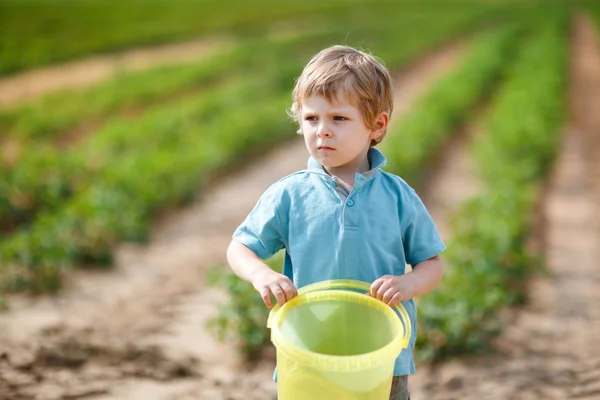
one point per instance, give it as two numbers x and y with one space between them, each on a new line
592 10
487 253
107 187
48 175
34 33
62 112
436 114
242 319
118 203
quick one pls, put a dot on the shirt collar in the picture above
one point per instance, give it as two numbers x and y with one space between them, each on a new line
376 159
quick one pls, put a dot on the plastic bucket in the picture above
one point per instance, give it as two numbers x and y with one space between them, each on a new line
336 343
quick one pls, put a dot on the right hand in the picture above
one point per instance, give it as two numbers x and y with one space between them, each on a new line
269 283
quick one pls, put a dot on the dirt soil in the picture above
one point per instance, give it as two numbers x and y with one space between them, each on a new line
550 350
137 331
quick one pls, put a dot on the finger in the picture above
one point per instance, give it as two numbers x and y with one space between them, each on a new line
387 285
394 300
278 293
387 296
289 290
289 287
375 286
266 296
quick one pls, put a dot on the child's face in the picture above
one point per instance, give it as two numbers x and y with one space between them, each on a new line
335 132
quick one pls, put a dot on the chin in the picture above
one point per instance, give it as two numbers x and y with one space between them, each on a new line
327 160
330 164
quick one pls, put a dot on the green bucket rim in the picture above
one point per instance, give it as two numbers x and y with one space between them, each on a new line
341 363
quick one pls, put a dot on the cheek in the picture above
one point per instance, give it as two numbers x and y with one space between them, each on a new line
307 129
307 133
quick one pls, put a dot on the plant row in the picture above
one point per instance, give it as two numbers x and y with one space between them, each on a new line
34 33
79 29
63 112
437 114
130 190
488 253
594 11
134 168
47 175
44 175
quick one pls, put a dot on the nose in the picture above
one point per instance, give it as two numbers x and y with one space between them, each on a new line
324 131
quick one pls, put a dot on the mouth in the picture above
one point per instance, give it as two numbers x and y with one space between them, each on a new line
326 148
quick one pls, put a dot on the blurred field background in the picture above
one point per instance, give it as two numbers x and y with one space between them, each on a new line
119 121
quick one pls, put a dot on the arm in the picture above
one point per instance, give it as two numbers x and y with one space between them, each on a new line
424 277
246 264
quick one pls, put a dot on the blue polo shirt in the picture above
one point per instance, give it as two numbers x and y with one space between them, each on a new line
378 228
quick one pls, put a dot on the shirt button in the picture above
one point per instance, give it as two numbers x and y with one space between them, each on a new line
350 203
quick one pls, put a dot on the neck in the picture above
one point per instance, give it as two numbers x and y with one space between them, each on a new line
347 173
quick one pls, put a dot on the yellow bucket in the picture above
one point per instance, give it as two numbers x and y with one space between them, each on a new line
337 344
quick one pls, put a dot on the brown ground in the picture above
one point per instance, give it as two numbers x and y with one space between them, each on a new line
138 331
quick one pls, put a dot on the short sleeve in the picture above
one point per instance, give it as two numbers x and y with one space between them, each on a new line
262 230
420 237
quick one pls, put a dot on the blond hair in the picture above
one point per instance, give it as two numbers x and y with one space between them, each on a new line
342 68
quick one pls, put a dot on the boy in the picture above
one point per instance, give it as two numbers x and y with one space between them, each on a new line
342 217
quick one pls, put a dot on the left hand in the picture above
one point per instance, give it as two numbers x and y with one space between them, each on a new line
391 289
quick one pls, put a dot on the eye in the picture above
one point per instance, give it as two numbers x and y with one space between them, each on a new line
310 118
339 118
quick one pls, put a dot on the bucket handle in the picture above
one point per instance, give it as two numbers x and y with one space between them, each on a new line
347 284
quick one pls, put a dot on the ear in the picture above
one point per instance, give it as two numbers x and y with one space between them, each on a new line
381 124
